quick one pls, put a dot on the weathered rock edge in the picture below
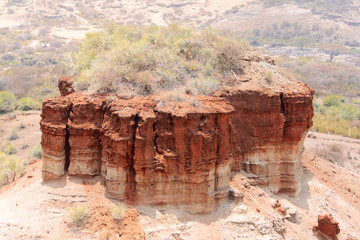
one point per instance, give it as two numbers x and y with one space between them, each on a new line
178 153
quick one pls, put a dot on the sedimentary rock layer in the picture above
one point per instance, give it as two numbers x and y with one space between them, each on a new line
181 153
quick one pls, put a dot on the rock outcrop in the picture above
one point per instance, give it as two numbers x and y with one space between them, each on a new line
65 86
180 153
328 226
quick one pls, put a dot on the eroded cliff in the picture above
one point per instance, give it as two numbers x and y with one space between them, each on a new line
148 152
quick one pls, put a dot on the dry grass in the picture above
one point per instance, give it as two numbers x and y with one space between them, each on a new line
333 153
78 214
118 212
145 60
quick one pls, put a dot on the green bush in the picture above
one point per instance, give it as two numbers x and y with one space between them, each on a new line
337 116
9 166
7 102
8 148
144 60
332 100
28 103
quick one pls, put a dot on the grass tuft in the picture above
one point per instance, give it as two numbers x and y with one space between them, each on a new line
78 214
118 212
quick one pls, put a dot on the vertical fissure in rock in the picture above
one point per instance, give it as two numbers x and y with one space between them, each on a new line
282 109
155 134
67 144
217 130
131 175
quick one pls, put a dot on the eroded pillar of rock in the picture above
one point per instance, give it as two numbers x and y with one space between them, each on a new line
118 137
84 125
160 155
267 133
53 124
187 155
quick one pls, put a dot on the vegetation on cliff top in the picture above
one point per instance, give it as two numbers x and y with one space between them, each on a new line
144 60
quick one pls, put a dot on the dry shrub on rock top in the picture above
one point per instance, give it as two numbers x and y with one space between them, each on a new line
144 60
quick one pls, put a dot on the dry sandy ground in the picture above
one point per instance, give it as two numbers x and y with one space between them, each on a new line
31 209
28 136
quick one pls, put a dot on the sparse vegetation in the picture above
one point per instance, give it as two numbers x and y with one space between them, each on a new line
325 77
9 103
332 153
268 76
36 152
317 6
118 212
8 148
27 103
144 60
78 214
21 126
13 134
9 166
338 116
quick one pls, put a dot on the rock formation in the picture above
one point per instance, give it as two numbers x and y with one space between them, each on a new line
180 153
65 86
328 226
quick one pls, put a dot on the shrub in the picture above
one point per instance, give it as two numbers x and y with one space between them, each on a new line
268 76
332 153
8 148
78 214
118 212
21 126
13 134
332 100
9 166
27 103
7 102
36 151
144 60
337 115
7 57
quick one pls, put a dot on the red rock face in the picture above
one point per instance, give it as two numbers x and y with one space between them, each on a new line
267 130
178 153
328 226
54 118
